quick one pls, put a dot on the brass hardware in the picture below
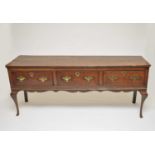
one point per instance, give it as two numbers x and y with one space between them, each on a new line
113 78
134 78
43 79
31 74
66 78
77 74
88 78
21 78
124 72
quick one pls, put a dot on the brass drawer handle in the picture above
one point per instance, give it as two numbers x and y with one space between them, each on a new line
88 78
66 78
134 78
43 79
21 78
113 78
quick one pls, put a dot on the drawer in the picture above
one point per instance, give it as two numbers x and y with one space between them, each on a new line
124 78
31 79
77 78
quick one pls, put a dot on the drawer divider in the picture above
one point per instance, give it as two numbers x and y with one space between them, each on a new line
54 78
100 78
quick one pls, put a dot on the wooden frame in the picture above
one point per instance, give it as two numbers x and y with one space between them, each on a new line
34 73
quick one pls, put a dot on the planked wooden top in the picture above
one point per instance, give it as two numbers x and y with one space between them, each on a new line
78 61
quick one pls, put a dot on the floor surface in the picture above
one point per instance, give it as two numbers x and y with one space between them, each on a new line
76 111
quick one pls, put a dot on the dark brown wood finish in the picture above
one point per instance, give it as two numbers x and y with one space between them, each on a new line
78 73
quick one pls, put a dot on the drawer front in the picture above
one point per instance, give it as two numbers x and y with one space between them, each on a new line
124 78
31 79
77 78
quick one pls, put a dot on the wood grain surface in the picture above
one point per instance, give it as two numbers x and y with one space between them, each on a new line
77 61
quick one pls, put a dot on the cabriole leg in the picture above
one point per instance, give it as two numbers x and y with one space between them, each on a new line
14 97
25 96
144 96
134 96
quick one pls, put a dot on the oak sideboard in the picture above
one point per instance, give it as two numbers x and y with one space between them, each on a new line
78 73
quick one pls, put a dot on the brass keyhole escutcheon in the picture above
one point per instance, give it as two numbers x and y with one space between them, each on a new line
124 72
31 74
113 78
77 74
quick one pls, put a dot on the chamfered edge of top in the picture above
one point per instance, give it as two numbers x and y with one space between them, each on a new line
147 64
